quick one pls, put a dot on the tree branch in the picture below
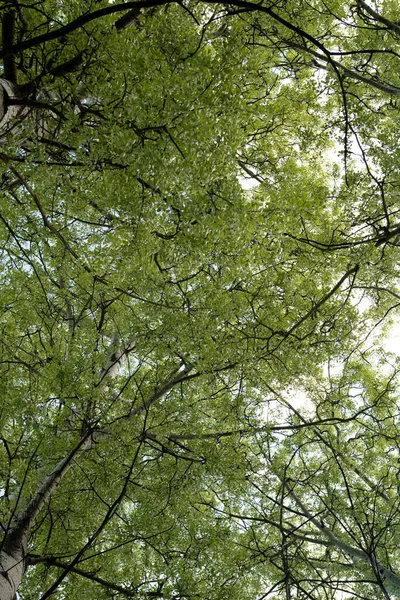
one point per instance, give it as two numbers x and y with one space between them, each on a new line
130 17
50 561
265 429
78 23
353 271
379 18
135 8
40 208
355 553
8 33
383 86
25 518
171 381
106 519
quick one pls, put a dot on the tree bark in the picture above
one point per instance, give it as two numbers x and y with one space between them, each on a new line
9 91
382 573
12 568
14 547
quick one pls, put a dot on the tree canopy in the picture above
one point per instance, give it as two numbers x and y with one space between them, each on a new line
199 250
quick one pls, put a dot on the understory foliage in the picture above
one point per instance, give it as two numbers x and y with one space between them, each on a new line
199 250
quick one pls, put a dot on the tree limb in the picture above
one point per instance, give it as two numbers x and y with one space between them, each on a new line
379 18
78 23
25 519
8 33
355 553
50 561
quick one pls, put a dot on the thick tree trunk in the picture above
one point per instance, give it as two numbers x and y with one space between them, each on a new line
10 576
12 565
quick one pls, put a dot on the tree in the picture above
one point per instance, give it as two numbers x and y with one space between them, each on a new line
156 317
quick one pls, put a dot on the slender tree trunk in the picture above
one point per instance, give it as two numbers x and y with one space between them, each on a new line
14 547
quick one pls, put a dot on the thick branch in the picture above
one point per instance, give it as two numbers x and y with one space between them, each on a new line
8 33
68 66
383 86
171 381
25 519
133 9
354 553
130 17
108 516
379 18
78 23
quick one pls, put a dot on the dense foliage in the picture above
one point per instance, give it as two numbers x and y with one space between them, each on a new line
199 260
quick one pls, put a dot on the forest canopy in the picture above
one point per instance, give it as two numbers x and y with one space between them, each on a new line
199 250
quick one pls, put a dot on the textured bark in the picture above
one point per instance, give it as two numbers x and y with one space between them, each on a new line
14 547
130 18
12 569
9 91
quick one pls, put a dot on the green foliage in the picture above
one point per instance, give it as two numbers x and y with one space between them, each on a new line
217 351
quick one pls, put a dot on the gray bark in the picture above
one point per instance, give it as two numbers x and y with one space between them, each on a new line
380 571
14 548
12 564
9 90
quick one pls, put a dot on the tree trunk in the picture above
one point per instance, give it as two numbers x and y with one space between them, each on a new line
9 90
12 565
